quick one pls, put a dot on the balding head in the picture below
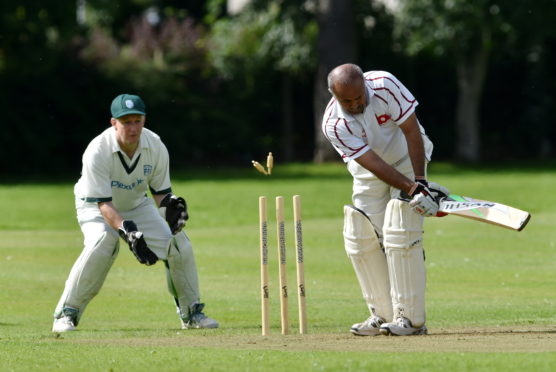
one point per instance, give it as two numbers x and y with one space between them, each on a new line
344 75
347 84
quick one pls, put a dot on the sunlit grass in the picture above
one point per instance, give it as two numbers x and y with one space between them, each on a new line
478 276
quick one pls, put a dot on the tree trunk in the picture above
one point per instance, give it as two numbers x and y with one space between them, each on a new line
288 153
470 76
335 46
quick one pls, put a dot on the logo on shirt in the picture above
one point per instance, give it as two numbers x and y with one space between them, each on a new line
382 118
123 186
147 169
129 103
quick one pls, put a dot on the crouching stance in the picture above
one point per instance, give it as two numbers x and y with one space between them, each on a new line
371 122
111 200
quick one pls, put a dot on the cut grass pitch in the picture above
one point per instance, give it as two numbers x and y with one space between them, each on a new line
490 291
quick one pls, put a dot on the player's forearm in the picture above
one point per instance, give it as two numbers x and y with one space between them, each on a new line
415 145
158 198
111 214
374 164
416 152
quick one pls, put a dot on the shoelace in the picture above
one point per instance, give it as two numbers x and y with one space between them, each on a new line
403 323
374 322
198 316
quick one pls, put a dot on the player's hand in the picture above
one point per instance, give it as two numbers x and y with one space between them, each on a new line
136 241
439 192
174 210
423 201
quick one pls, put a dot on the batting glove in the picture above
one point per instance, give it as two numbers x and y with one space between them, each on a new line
423 201
136 241
174 210
439 192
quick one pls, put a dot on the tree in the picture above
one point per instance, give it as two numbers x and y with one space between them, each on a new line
468 32
335 45
280 30
266 37
462 30
31 34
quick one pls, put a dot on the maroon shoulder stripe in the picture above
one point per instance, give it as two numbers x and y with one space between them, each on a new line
385 78
405 112
338 136
332 101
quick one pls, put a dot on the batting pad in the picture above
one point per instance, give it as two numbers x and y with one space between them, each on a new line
403 243
181 273
368 260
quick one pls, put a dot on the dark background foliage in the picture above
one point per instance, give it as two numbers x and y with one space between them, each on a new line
218 86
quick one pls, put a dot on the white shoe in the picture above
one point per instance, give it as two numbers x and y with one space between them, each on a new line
63 324
197 319
370 327
402 327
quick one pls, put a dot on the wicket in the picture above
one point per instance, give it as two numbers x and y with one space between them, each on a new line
281 239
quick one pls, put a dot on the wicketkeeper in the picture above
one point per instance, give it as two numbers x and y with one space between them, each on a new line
371 122
120 166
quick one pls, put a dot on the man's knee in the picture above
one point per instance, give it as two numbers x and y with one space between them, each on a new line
180 245
100 238
359 234
403 228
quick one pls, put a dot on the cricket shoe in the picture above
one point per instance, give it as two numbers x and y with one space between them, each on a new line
197 319
402 327
63 324
370 327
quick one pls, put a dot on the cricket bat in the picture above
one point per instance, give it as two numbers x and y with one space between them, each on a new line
485 211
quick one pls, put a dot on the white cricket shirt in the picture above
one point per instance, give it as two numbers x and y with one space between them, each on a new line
109 175
389 104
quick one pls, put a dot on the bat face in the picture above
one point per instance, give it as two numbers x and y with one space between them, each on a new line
485 211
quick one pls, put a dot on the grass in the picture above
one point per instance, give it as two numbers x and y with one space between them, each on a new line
480 277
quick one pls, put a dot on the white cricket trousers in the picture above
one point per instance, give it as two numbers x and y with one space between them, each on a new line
101 246
371 194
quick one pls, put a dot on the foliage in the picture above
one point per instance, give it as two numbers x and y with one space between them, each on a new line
377 48
277 36
31 34
267 53
213 82
456 26
164 51
445 26
517 38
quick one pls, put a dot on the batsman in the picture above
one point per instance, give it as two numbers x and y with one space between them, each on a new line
371 122
120 166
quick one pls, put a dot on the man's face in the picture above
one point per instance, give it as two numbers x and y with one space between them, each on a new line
128 128
352 97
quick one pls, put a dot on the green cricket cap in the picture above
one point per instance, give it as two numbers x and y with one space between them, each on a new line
126 104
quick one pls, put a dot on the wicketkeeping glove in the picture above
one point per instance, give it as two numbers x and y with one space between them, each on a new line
423 200
174 210
137 245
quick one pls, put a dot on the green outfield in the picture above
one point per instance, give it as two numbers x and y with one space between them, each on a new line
491 302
